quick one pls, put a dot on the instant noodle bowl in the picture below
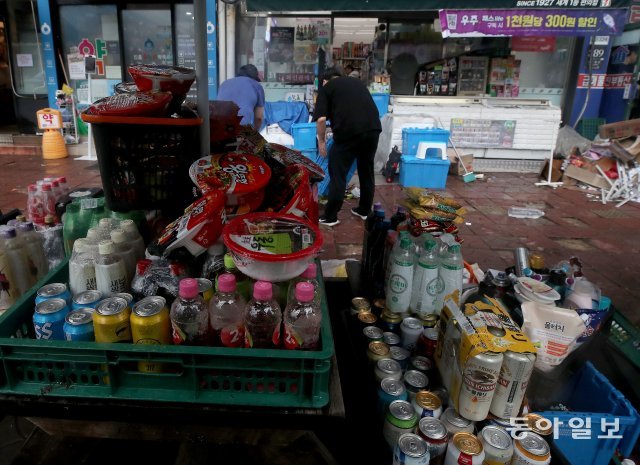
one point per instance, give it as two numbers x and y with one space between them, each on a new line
272 246
133 104
242 177
174 79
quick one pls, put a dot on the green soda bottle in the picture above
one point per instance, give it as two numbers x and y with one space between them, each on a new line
71 227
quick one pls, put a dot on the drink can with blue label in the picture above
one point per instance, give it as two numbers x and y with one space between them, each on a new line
86 299
48 319
53 291
78 325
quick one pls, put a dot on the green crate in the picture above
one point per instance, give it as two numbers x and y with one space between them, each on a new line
626 338
208 375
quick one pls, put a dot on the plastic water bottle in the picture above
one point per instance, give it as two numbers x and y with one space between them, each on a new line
35 204
34 246
302 319
427 283
8 291
226 313
105 226
49 201
125 251
82 268
400 277
134 237
310 275
243 283
64 185
111 273
262 318
189 316
93 236
23 273
451 270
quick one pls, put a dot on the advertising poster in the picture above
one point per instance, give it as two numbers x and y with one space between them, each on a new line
281 44
309 34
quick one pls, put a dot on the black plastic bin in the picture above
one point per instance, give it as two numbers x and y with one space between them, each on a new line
144 162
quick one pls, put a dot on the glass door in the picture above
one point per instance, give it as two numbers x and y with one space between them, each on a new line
148 34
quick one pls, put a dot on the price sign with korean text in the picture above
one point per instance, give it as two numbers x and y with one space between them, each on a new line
49 119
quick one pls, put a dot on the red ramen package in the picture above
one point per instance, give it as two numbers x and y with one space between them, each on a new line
197 229
251 141
174 79
287 156
290 192
224 122
151 104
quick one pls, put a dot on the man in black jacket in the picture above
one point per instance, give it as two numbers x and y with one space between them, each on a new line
355 124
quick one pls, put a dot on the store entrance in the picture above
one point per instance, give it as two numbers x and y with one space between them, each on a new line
353 52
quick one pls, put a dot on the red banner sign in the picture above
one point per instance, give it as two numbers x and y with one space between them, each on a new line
533 44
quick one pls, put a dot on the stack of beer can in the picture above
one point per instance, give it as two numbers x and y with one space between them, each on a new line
419 421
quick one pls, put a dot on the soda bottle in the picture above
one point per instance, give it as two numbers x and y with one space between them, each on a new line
105 226
189 316
124 250
427 283
49 201
35 205
243 283
71 227
134 237
226 313
55 188
391 249
310 275
34 246
399 217
398 291
64 186
18 260
137 283
451 270
262 318
302 319
82 268
214 263
111 274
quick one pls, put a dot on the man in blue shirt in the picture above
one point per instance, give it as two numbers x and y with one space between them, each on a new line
246 92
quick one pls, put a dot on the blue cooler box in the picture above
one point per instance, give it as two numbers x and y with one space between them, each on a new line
382 102
428 172
411 138
304 136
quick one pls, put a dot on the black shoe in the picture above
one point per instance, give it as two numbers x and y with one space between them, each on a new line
355 211
325 222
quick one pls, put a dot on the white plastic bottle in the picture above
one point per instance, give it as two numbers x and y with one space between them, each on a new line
302 319
23 270
34 246
262 318
125 251
111 274
82 268
134 237
427 283
399 284
105 226
8 291
93 236
451 270
226 313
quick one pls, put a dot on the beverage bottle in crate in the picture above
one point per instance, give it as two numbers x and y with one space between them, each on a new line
111 273
23 273
55 188
93 236
134 237
226 313
302 318
71 229
125 251
310 275
262 318
49 201
8 289
243 283
138 281
34 246
35 204
214 263
451 270
427 283
398 290
398 217
82 268
64 185
189 316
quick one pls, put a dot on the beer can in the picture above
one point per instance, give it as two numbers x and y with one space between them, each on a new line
378 307
421 364
531 449
391 339
455 423
387 368
111 320
366 319
372 333
53 291
427 404
48 318
359 305
443 395
78 325
410 450
427 342
521 257
400 418
540 425
150 325
410 330
389 390
479 379
464 448
205 289
429 320
400 355
86 299
492 420
390 321
497 444
512 383
415 381
126 296
377 350
436 436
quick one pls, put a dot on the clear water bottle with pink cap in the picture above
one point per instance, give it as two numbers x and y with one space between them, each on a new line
189 316
310 275
302 319
262 318
226 313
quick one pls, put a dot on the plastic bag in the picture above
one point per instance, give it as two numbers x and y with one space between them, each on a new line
291 192
53 245
391 167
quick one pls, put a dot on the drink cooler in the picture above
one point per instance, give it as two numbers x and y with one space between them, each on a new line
207 375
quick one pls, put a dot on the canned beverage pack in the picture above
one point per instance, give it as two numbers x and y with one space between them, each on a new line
389 390
421 364
410 450
400 355
391 339
400 418
48 319
111 320
436 436
359 305
429 320
150 324
205 289
514 376
366 319
531 449
443 395
78 325
415 381
464 448
455 423
410 330
377 350
387 368
126 296
497 444
86 299
478 384
53 291
427 342
427 404
372 333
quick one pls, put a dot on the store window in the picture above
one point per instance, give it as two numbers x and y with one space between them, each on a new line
147 36
91 30
185 41
26 55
